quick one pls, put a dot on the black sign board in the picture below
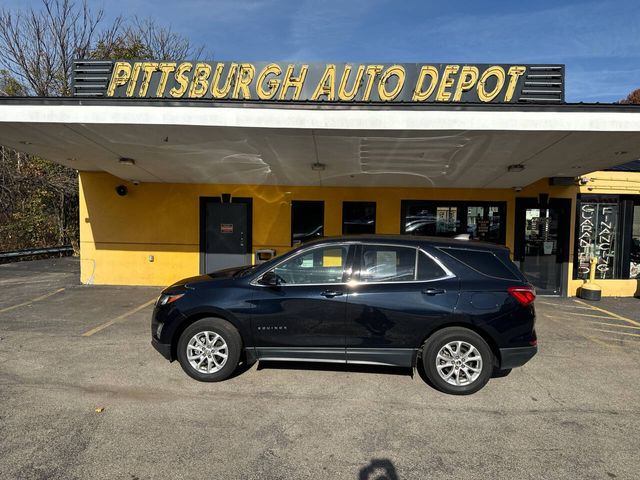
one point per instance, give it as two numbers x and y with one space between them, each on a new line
332 82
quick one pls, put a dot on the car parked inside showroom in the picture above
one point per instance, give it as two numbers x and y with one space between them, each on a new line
460 310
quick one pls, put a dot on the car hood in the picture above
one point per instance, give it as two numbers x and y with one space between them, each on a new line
209 277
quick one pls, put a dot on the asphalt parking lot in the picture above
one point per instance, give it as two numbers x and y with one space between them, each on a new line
67 350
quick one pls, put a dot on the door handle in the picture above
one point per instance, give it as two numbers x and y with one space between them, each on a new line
433 291
331 293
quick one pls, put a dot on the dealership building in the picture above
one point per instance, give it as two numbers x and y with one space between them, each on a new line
188 167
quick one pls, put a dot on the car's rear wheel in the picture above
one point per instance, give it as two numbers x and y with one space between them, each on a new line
209 349
457 360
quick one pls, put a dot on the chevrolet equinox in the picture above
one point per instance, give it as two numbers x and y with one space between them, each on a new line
460 308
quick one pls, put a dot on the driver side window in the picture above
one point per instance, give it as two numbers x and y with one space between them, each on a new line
319 265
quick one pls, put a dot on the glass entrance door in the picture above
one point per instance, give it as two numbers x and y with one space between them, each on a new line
540 260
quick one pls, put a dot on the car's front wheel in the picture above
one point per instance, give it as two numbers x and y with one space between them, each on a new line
457 360
209 349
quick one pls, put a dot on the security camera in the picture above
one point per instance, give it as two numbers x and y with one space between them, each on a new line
583 180
135 182
517 189
122 190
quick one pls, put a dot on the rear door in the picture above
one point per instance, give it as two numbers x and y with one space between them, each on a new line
401 293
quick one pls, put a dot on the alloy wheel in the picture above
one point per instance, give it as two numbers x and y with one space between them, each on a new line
459 363
207 352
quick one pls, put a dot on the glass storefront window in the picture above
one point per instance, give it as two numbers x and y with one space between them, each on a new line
358 217
598 236
482 221
447 221
634 260
307 221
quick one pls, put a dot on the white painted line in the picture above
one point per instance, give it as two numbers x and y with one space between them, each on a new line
592 316
613 324
614 332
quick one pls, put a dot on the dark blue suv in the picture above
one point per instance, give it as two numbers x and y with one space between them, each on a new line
461 308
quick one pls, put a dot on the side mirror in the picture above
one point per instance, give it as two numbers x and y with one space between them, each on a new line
270 279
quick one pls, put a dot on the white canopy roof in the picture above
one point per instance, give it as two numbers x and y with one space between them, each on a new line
258 144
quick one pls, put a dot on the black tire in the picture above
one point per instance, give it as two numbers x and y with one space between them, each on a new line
455 334
231 337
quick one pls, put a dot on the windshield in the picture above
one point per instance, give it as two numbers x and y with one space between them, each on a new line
250 269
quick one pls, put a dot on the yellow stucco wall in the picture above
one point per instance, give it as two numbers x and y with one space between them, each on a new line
119 234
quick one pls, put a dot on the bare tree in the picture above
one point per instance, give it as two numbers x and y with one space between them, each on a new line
145 38
38 46
163 42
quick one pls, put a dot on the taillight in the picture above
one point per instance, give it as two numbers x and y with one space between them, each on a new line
524 295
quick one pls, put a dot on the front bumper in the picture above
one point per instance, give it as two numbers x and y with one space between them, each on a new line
516 357
163 348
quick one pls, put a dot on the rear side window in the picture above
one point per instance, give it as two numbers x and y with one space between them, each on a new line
428 269
482 261
387 263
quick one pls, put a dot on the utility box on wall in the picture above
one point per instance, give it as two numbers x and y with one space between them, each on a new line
264 255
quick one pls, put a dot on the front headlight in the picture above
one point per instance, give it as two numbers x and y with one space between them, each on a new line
165 299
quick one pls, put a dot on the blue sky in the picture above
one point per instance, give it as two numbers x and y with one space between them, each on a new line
599 41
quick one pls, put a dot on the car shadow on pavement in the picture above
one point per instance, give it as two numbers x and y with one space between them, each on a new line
334 367
242 367
497 373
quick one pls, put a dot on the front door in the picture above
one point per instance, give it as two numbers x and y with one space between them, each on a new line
303 317
542 249
402 293
225 233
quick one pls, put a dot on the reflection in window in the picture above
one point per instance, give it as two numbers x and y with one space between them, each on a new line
358 217
385 263
320 265
432 220
635 244
307 221
484 221
428 269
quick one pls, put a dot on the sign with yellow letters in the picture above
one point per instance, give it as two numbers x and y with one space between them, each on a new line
332 82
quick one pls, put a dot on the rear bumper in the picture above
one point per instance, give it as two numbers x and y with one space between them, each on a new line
163 348
516 357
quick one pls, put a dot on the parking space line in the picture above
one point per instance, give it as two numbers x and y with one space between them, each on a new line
602 310
593 316
612 324
33 300
582 334
561 305
118 319
617 333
